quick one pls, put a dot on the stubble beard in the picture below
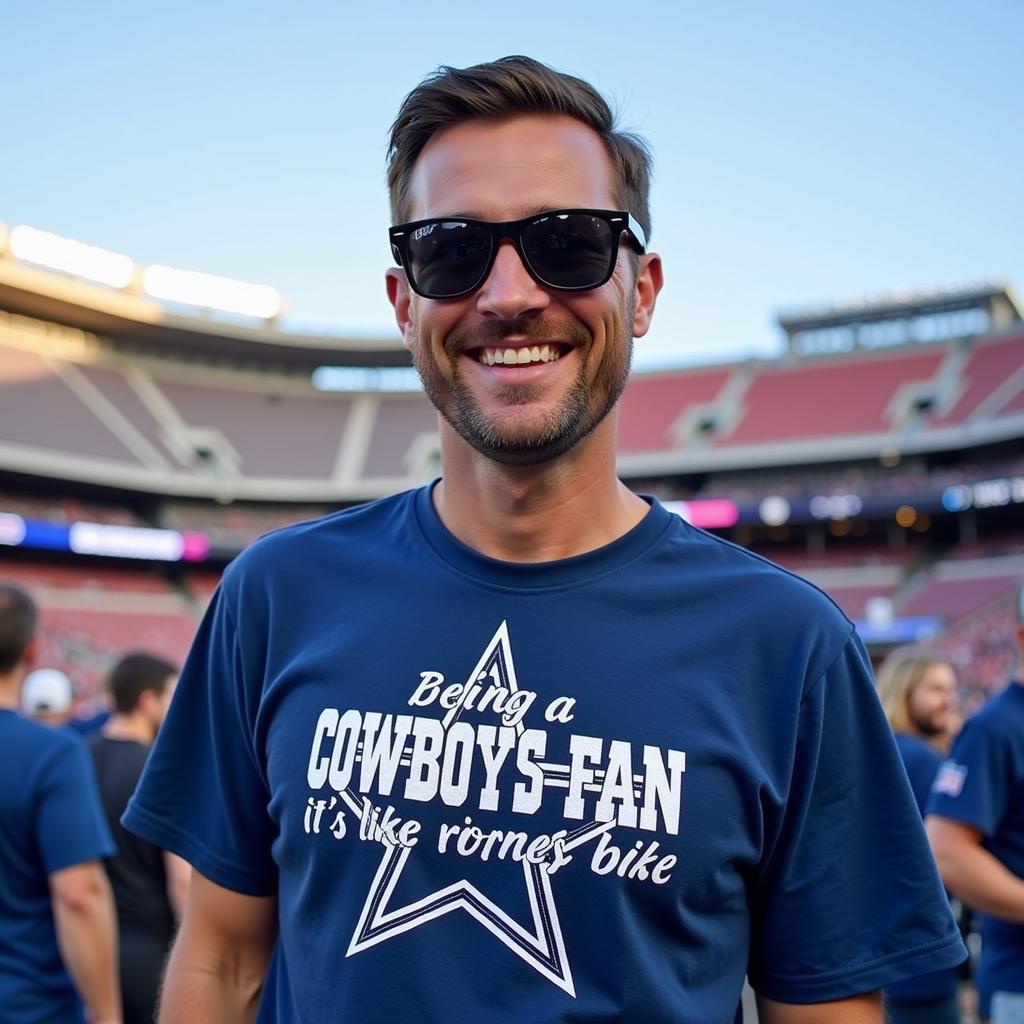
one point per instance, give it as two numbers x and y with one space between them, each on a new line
576 415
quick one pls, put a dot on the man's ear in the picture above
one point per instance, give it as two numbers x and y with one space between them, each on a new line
400 297
648 283
31 656
149 702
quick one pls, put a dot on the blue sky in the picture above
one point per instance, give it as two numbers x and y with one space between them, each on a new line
804 151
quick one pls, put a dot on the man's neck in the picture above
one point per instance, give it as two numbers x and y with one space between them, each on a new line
535 513
128 727
10 691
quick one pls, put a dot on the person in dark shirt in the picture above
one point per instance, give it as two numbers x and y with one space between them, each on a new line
917 687
976 826
149 884
58 936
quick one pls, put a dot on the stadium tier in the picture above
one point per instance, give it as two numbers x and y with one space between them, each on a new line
171 425
140 449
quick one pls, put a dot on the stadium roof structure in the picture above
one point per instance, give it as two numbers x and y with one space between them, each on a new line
134 321
925 314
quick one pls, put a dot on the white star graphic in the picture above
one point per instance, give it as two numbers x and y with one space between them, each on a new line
543 947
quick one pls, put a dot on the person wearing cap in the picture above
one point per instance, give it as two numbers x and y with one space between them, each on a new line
976 826
58 933
46 696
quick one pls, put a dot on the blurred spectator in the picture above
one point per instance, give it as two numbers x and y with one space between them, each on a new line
918 691
149 884
976 826
57 923
46 696
917 687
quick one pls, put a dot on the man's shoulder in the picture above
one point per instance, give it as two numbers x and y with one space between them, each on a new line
1002 716
757 582
356 528
37 746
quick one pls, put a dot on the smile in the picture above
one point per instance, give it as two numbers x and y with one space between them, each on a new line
524 356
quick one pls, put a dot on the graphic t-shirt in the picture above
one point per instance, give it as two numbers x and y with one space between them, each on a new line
50 819
137 874
597 788
982 785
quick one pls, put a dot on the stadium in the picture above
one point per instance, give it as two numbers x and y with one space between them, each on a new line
153 422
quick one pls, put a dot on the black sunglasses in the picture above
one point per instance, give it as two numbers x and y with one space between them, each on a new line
568 250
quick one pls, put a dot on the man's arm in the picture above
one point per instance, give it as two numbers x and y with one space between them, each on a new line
970 872
219 961
178 873
863 1009
86 924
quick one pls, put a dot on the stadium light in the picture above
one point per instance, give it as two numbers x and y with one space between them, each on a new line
70 257
125 542
366 378
774 510
12 529
209 291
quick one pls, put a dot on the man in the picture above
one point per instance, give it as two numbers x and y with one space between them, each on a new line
976 827
917 687
57 927
522 745
149 884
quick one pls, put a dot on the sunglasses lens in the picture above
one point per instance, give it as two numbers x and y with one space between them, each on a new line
447 257
570 250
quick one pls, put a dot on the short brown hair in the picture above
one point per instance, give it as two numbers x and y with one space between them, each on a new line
18 619
513 87
136 673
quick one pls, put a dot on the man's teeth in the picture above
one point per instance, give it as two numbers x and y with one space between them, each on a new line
519 356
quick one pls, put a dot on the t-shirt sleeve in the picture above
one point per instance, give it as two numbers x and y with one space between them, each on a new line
70 825
203 794
971 785
848 898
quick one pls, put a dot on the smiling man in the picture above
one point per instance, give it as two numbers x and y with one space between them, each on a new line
522 745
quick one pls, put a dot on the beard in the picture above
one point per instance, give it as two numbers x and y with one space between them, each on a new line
534 439
927 725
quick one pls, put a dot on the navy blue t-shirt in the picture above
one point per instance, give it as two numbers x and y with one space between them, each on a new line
982 785
921 762
598 788
50 819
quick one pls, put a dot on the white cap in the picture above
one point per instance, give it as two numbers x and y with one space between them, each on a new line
46 690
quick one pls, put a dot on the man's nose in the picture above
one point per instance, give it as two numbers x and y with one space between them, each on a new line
509 290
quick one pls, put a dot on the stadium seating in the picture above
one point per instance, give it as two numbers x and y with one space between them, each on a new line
276 435
951 596
654 406
989 366
81 577
983 649
39 409
825 399
400 421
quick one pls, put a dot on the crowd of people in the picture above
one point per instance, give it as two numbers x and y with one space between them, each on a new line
968 781
87 910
